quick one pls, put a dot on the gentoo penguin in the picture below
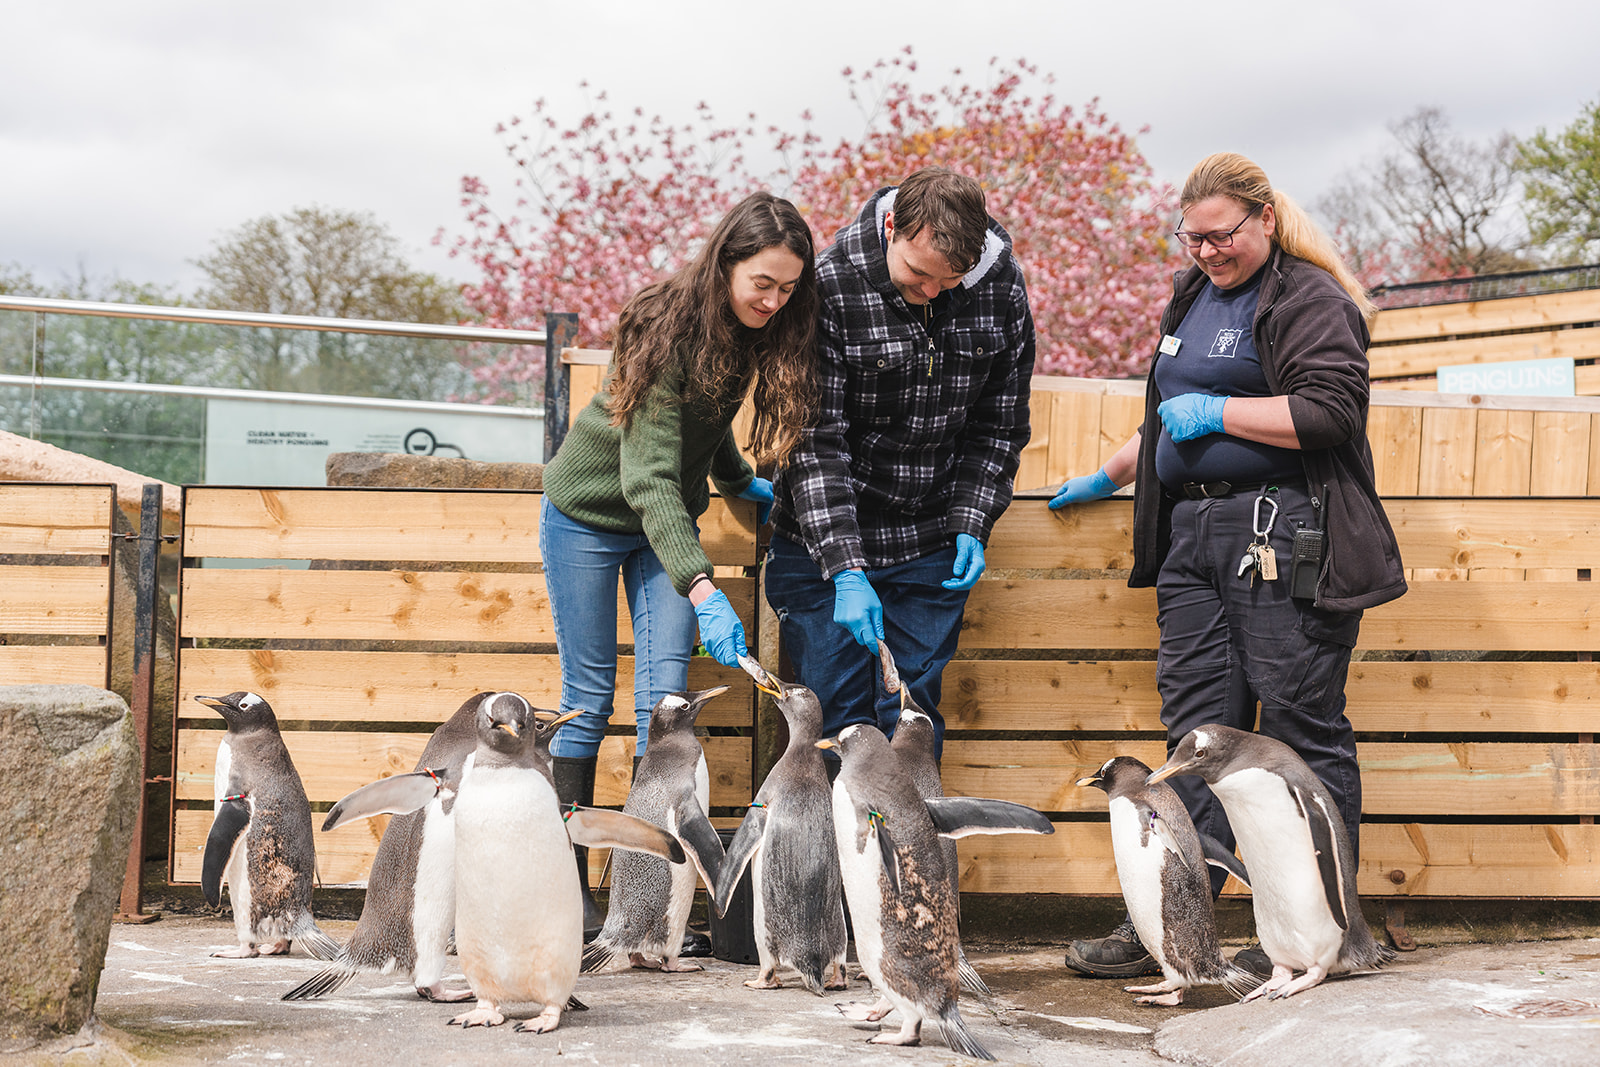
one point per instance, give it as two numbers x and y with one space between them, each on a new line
913 742
410 904
519 908
1161 864
649 906
1293 840
787 841
260 841
901 904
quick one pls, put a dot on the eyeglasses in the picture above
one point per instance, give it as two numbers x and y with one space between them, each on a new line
1216 238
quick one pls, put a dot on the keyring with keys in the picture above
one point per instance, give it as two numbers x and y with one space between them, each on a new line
1260 558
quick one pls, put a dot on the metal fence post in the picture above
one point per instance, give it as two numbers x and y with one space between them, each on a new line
142 692
560 331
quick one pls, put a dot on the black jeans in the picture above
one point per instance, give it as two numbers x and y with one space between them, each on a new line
1228 642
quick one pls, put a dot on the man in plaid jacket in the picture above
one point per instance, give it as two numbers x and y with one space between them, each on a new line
925 350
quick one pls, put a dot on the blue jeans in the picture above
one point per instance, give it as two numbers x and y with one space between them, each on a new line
581 565
921 622
1227 643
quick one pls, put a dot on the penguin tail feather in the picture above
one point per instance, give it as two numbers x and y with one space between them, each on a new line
971 980
960 1039
597 956
1238 981
314 940
324 983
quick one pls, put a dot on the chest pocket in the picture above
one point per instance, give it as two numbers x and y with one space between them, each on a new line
885 375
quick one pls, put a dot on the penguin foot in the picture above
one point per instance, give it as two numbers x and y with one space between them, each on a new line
840 979
770 980
1168 1000
279 947
243 952
484 1014
542 1023
1281 976
1313 976
679 967
440 995
910 1033
858 1012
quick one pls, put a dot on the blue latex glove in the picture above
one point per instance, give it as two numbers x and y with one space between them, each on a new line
720 630
1191 415
969 563
1084 488
759 490
857 608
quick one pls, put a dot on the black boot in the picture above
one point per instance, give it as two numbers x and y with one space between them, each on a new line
574 778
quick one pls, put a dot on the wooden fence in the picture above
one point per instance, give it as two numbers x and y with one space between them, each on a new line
1409 345
55 583
380 613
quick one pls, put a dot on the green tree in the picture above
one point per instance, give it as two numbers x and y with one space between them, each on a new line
1561 188
332 264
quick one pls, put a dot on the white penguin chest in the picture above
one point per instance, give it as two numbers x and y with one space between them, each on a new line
1139 857
1291 907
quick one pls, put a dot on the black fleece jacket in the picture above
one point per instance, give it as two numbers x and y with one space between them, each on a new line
1313 347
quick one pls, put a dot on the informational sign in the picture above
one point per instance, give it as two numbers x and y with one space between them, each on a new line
283 442
1528 377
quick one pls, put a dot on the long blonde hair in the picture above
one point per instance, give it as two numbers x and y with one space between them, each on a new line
1232 175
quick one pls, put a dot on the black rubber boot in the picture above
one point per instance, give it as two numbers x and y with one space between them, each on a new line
574 777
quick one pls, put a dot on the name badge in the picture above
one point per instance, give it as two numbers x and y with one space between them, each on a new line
1170 345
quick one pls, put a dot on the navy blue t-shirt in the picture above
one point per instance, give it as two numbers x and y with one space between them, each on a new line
1218 357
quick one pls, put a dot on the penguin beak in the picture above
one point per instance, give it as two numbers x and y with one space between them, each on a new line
828 742
556 720
1093 779
508 727
1167 770
758 674
706 694
905 697
213 702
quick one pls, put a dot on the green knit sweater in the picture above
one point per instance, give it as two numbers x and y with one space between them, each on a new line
650 477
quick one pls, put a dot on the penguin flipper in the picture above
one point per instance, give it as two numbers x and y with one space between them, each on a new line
600 828
960 1039
233 815
689 825
958 817
1327 846
1217 855
891 862
741 850
1164 832
325 982
400 794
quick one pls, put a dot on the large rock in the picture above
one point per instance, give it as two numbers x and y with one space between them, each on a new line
397 469
73 775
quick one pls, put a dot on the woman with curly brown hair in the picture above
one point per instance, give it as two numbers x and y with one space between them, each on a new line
623 493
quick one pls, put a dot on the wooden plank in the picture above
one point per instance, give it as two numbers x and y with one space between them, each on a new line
1449 447
53 665
1421 778
1549 861
1509 616
321 686
333 763
727 761
1503 462
388 605
1120 417
47 519
582 383
1075 441
1086 536
54 600
1456 533
1426 357
458 526
1395 434
1560 465
1033 464
1474 696
1050 695
1043 613
1484 316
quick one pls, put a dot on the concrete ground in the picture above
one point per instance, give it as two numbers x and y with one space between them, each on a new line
163 999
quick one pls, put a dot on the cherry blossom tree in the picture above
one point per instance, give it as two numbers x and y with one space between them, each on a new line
608 204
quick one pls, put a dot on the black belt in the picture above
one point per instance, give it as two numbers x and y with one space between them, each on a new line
1212 490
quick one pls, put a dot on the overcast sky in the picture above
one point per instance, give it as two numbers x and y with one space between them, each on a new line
132 135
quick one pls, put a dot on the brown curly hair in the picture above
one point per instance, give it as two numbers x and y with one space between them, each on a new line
689 312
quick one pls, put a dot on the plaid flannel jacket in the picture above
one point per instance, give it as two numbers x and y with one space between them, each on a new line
924 411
